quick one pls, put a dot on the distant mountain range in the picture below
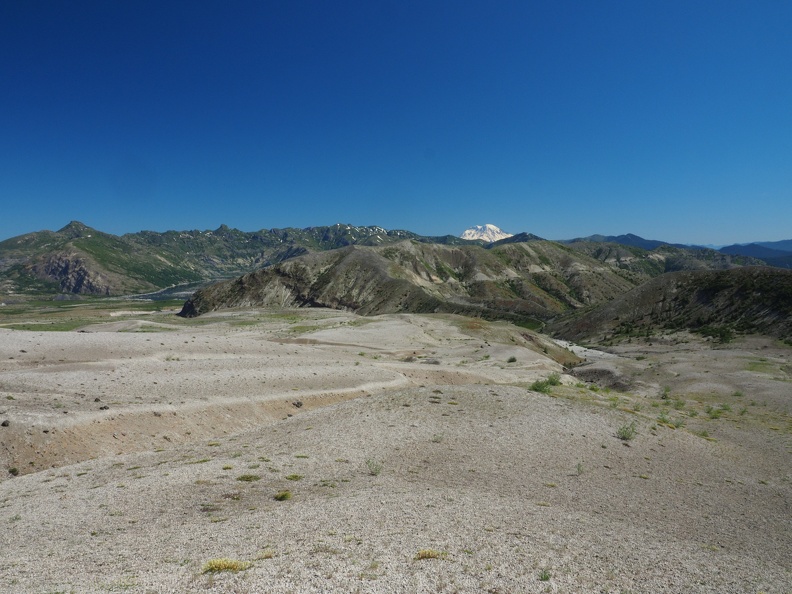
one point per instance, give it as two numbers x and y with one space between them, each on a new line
80 260
573 285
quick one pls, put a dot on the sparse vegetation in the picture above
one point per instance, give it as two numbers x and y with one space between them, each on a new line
627 432
429 554
224 564
282 496
544 385
374 467
248 478
544 575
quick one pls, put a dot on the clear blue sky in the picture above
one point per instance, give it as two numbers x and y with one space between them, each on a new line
671 120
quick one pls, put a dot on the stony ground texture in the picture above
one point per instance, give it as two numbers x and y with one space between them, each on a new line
419 460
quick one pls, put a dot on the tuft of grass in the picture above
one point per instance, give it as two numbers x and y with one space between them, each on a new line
429 554
294 477
713 413
224 564
626 432
248 478
374 466
511 360
544 576
282 496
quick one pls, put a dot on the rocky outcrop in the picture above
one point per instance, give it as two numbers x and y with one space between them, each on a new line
73 274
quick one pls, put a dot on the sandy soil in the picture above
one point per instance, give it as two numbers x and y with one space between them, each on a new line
394 435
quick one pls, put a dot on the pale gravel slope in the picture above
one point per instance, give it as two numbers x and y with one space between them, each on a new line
503 481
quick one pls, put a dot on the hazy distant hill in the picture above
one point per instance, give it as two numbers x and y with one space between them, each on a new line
715 302
774 253
628 239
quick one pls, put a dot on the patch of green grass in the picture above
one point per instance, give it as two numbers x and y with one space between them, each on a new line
282 496
544 576
248 478
429 554
224 564
544 385
627 432
713 413
294 477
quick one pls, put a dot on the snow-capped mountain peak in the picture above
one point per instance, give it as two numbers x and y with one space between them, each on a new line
486 232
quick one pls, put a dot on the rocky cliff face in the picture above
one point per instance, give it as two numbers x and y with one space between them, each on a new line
73 274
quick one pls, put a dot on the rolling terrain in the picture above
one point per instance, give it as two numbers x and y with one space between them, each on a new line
750 300
315 450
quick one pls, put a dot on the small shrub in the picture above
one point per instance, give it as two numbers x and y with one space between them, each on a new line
544 385
282 496
224 564
544 576
626 432
374 466
248 478
512 360
13 471
713 413
294 477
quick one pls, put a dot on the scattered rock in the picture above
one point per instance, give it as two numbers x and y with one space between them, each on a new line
297 403
5 423
105 407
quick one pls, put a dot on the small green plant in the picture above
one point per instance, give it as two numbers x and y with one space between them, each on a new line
666 392
437 438
511 360
429 554
713 413
282 496
544 385
579 468
224 564
13 471
294 477
544 576
626 432
374 466
248 478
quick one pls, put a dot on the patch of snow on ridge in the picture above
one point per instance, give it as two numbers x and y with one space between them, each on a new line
486 232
